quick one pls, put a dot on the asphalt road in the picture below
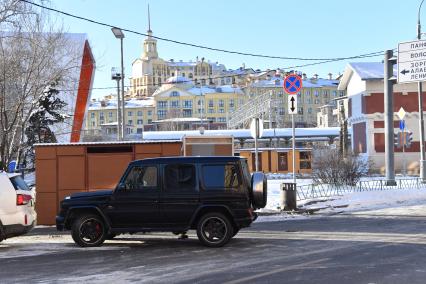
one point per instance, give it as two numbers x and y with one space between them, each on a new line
368 247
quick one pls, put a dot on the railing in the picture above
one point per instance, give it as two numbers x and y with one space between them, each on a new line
310 191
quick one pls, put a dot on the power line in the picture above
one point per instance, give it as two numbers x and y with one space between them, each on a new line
189 44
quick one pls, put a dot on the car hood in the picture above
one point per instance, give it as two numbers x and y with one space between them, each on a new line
99 193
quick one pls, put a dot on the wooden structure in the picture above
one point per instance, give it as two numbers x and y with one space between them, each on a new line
278 160
63 169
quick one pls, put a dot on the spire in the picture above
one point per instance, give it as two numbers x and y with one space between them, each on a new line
149 21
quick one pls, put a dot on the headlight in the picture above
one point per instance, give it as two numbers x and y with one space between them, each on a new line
67 197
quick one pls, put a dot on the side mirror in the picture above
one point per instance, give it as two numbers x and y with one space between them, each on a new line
121 187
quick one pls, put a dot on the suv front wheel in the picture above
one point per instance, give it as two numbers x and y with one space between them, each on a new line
214 230
88 231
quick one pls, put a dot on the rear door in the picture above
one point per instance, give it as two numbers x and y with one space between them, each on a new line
180 196
136 204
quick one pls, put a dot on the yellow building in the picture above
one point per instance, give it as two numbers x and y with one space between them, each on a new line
101 119
180 100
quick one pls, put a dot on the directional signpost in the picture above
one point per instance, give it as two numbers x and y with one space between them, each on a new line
412 61
412 68
293 85
256 131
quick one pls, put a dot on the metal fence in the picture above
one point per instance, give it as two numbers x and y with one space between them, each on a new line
310 191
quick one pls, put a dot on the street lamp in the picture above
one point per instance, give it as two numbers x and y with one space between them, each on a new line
421 126
118 33
115 75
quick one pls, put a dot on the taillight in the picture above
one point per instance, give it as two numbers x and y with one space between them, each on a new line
22 199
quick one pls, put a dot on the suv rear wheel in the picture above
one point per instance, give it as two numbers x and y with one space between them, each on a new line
214 230
88 231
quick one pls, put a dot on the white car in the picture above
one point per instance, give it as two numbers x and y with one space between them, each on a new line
17 214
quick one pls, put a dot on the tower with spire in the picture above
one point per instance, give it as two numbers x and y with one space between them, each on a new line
150 43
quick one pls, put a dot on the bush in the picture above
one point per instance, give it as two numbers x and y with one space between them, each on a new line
329 166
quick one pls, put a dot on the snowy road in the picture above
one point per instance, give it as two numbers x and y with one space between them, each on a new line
385 245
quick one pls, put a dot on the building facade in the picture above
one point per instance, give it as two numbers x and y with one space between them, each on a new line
180 99
102 117
364 85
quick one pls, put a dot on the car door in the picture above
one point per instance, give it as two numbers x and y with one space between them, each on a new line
135 203
180 195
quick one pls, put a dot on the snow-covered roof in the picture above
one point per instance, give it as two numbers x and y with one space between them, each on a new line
245 133
180 119
112 104
365 70
178 79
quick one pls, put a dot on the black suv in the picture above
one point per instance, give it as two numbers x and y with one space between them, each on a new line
214 195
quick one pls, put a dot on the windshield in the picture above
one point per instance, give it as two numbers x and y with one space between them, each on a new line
19 183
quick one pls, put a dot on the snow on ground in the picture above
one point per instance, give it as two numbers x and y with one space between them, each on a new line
380 201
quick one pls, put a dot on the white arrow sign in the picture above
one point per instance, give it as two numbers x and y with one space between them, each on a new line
412 61
292 104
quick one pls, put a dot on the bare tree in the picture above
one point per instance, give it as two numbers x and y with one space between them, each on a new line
33 53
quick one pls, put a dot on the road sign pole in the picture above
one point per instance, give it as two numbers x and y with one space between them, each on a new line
388 96
293 148
421 121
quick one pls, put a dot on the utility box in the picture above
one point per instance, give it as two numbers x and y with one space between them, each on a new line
217 145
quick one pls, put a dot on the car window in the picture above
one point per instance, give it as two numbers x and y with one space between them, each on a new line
19 183
216 177
141 177
246 171
180 177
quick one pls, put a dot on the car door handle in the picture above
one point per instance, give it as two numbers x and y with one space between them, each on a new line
110 207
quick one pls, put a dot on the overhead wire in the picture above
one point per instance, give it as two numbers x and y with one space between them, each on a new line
190 44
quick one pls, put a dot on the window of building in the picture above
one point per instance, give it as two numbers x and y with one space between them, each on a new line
190 76
187 104
130 122
101 116
180 177
140 121
174 94
129 113
334 93
149 112
141 178
316 93
110 114
283 161
221 103
305 160
220 177
175 104
211 103
149 121
161 113
140 113
139 131
231 103
281 111
162 104
93 123
221 119
92 115
211 110
159 81
187 112
309 110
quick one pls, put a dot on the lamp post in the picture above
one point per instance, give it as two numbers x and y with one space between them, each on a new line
115 75
118 33
421 122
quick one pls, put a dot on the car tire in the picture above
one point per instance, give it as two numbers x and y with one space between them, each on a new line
258 190
89 231
110 236
214 230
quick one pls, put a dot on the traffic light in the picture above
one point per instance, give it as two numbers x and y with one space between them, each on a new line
408 139
397 140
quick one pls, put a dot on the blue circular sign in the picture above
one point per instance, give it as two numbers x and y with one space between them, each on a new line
292 84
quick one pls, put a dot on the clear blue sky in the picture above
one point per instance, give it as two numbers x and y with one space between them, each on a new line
324 29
